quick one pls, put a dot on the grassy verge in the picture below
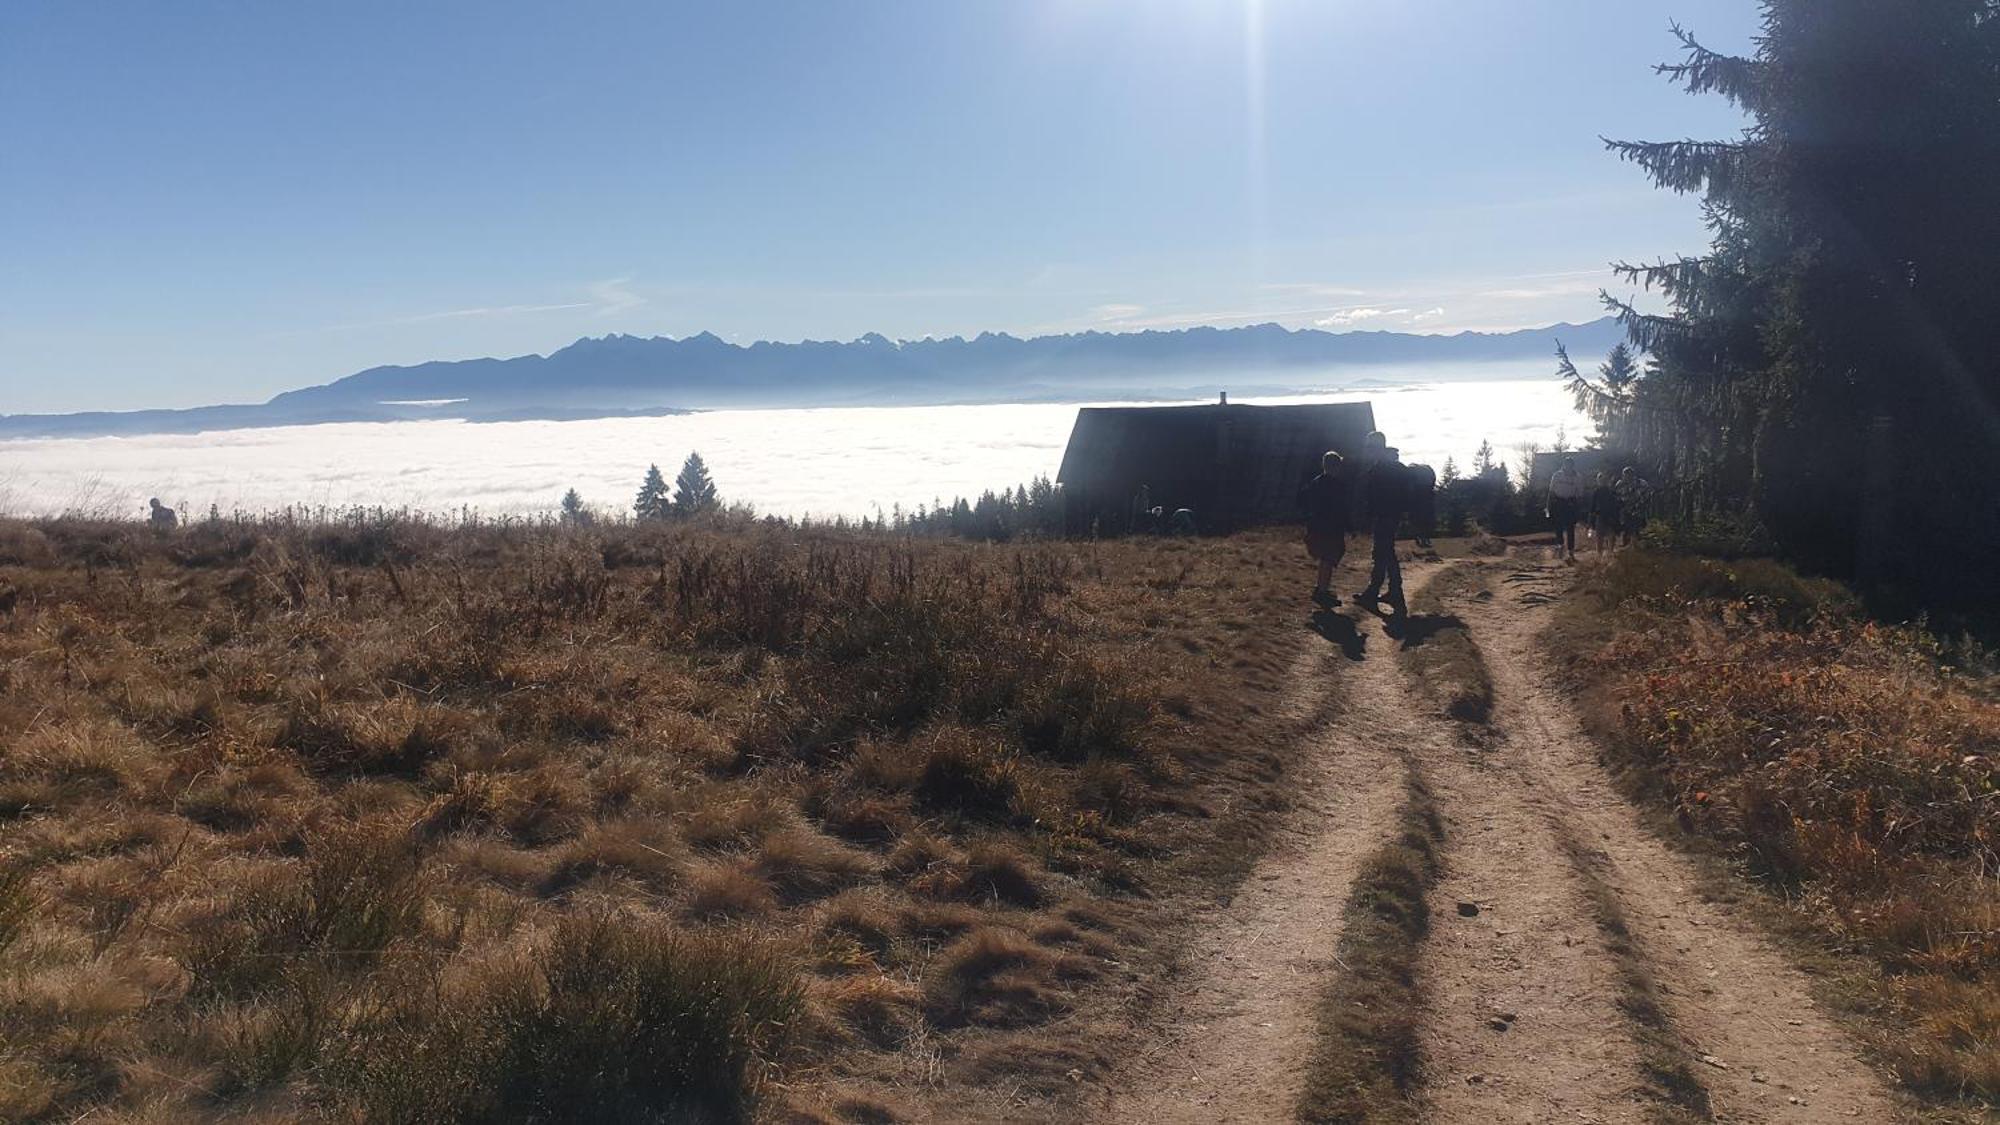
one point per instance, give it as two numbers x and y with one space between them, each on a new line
1834 762
1365 1063
384 819
1440 655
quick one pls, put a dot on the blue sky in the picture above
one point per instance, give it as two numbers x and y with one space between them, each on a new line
208 201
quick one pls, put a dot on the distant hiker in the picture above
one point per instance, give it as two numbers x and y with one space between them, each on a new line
1142 509
1325 499
1566 495
1423 503
1603 511
1387 493
1632 490
163 517
1181 522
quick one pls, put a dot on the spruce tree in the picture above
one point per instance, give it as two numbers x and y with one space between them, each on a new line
651 503
1832 364
694 492
573 511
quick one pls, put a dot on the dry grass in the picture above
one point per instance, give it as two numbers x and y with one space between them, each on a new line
1840 763
388 820
1367 1060
1440 655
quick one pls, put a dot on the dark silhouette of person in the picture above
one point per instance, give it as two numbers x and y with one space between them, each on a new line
1604 517
1633 493
1423 503
1325 501
1142 510
163 517
1566 496
1388 496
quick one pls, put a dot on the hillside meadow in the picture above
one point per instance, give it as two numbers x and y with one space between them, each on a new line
379 819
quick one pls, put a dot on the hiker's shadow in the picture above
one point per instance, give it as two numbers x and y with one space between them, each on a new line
1413 629
1339 628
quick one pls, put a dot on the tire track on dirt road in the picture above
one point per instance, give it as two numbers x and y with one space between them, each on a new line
1522 1021
1772 1055
1232 1040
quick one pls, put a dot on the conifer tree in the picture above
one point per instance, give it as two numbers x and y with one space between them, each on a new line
1484 461
651 503
694 492
1834 358
573 510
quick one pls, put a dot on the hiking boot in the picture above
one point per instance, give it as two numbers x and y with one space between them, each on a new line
1325 599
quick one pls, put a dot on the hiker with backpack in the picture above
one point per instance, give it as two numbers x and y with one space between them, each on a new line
1604 516
1387 496
1325 501
1565 505
1423 503
1632 490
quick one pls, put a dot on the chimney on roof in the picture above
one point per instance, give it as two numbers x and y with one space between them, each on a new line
1225 398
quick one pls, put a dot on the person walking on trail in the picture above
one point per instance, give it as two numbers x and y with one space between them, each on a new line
1387 493
163 517
1631 489
1566 504
1423 504
1603 512
1325 499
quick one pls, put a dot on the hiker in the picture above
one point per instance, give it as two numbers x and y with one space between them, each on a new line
1565 505
1181 522
1603 511
1631 489
163 517
1142 510
1423 503
1387 494
1325 500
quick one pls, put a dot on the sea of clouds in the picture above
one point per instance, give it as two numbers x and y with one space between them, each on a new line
824 462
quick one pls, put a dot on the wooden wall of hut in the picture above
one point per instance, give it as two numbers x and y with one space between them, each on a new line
1232 465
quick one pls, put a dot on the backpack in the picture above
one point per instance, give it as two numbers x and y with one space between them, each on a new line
1423 486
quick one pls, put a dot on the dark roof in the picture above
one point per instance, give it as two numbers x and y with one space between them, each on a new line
1236 462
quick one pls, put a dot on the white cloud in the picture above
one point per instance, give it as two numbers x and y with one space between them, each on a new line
486 311
611 296
1428 314
1344 317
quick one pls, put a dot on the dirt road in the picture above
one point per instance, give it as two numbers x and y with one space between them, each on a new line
1573 970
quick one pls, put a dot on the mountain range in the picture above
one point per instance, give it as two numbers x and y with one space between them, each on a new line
622 375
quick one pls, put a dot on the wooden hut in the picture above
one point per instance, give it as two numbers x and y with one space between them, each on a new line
1233 465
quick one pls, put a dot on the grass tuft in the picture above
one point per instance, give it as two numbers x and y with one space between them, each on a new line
1366 1061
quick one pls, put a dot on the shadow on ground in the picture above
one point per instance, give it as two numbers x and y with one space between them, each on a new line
1339 628
1412 630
